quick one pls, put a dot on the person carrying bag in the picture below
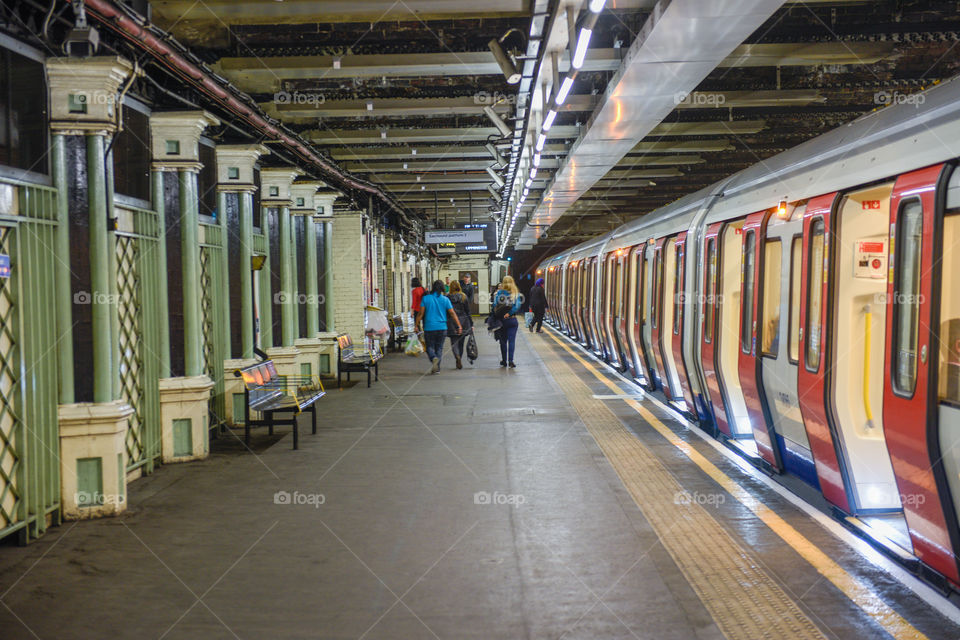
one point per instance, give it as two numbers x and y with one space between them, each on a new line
457 331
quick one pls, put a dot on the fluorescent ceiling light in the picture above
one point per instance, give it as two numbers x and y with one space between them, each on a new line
536 160
548 121
565 87
583 42
596 6
541 141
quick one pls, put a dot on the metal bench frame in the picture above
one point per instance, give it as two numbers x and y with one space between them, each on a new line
353 360
268 393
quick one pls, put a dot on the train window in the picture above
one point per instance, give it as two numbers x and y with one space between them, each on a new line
746 313
950 311
796 258
710 299
906 296
678 290
770 329
618 284
641 281
814 294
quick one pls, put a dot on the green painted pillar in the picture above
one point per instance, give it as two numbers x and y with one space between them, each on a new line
224 293
163 304
64 298
310 277
190 255
246 275
99 270
288 283
266 292
330 301
114 278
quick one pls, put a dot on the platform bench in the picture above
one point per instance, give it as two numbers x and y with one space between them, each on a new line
270 394
353 360
400 333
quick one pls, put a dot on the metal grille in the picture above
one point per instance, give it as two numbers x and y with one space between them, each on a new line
11 437
129 309
210 322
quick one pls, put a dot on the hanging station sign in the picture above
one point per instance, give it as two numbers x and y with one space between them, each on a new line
457 236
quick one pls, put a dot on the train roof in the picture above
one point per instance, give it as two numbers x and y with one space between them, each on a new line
919 130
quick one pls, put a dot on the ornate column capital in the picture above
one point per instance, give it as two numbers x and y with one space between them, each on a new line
275 183
175 139
84 92
235 164
302 194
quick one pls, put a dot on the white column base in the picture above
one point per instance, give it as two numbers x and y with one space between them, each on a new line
184 411
93 459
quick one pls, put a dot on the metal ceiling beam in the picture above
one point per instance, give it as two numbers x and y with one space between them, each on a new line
378 108
474 134
265 75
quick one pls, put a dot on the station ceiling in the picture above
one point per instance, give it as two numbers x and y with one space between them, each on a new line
395 91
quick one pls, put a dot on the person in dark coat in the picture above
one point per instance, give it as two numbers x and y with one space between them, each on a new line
538 304
458 332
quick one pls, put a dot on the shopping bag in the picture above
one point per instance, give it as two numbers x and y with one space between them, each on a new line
414 347
472 353
377 325
528 318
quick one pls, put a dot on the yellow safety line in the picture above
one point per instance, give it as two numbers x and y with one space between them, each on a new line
859 593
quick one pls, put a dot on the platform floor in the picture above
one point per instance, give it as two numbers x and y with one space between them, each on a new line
485 503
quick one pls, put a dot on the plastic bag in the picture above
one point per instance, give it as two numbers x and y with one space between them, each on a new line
414 347
528 318
472 353
377 324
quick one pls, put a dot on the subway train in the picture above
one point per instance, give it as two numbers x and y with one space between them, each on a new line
806 311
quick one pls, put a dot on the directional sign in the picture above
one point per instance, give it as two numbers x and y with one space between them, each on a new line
444 236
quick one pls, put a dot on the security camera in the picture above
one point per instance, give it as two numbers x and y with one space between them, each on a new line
543 236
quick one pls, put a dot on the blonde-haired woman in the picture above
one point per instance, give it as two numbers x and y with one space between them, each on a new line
507 302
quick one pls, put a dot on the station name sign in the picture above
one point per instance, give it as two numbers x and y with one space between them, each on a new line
455 236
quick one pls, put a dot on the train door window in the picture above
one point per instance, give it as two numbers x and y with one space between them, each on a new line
618 284
770 329
906 296
814 295
746 311
677 289
709 301
950 309
796 259
655 302
641 282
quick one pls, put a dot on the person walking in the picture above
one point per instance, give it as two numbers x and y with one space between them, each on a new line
416 292
538 304
507 303
458 334
432 319
467 287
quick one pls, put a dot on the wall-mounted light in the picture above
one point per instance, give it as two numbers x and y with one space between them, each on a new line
506 64
497 121
495 154
496 177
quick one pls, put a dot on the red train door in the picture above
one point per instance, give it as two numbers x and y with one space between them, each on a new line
910 395
656 316
818 222
679 309
709 329
754 229
606 308
637 262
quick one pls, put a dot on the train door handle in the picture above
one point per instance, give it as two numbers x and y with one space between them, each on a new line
923 354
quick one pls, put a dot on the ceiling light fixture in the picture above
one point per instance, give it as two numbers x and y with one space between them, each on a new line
507 67
565 87
497 121
548 121
583 42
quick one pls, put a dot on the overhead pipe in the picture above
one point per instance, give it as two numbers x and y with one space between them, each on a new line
143 37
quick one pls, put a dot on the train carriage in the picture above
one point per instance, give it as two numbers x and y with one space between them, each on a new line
807 312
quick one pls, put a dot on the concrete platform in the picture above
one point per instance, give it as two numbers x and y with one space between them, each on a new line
469 504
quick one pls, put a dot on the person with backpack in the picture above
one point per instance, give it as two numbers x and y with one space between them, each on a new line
507 303
458 331
432 319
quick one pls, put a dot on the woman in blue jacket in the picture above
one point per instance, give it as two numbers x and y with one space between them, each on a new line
507 303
